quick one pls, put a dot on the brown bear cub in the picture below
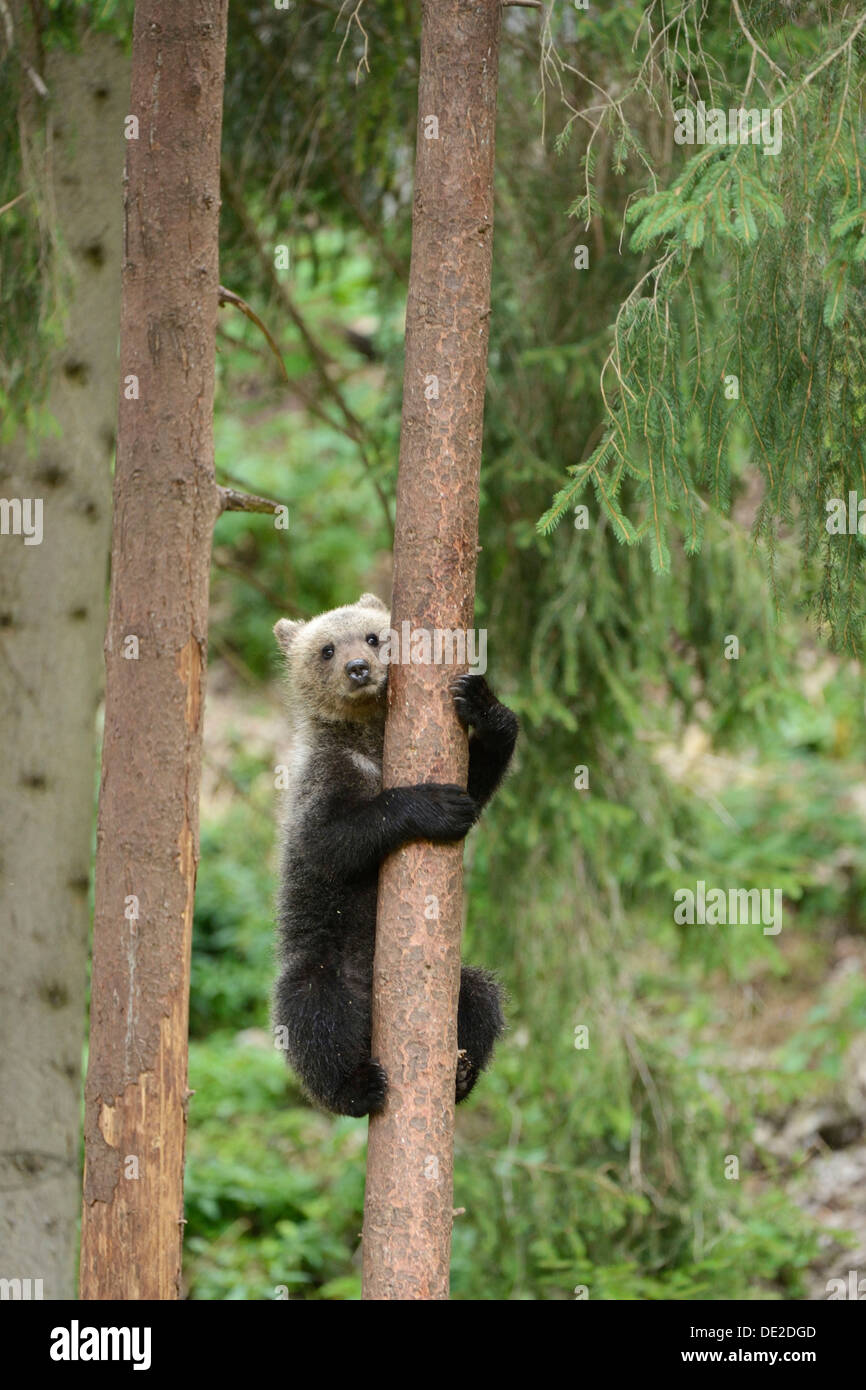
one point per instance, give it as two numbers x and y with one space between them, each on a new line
340 826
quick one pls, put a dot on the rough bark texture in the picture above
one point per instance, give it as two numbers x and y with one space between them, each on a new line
408 1214
52 620
165 503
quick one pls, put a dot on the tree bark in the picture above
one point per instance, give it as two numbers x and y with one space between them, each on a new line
52 620
408 1211
165 504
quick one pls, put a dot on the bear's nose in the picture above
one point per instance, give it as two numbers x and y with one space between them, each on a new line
358 671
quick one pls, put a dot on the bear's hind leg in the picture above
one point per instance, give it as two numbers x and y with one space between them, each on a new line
327 1039
479 1023
363 1093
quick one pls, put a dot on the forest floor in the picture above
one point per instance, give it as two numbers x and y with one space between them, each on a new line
820 1144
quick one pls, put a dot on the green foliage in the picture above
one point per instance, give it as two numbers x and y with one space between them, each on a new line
233 920
337 524
263 1217
747 333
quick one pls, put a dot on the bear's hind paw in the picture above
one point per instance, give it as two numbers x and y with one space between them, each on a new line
364 1093
467 1075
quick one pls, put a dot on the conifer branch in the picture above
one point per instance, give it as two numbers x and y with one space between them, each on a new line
230 500
229 297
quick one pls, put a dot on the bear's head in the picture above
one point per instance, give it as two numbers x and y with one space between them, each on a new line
334 664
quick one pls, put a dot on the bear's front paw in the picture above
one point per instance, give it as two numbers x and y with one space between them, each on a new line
478 709
473 700
444 812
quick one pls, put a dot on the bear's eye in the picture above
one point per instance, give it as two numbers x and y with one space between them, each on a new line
328 651
372 640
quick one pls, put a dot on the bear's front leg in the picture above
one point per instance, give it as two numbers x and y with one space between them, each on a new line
350 845
493 729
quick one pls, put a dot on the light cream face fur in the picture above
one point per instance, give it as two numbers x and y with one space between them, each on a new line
319 683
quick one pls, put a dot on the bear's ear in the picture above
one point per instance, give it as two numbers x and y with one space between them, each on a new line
371 601
285 632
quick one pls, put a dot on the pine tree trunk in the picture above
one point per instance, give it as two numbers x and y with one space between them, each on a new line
165 504
408 1213
52 620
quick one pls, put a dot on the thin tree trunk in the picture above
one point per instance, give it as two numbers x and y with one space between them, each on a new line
52 620
408 1213
165 504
